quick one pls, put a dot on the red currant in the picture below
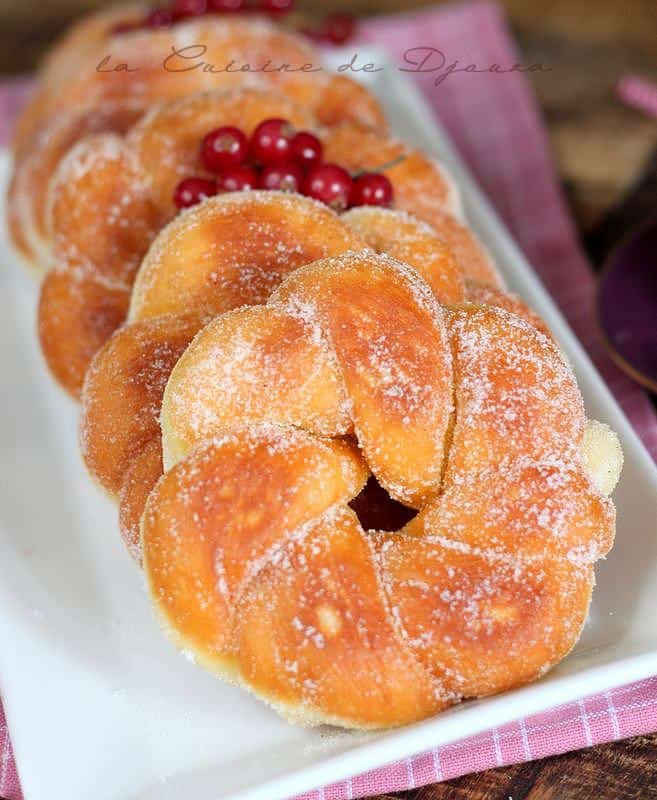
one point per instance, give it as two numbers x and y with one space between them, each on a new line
339 28
285 176
159 18
237 179
191 191
182 9
330 184
271 141
224 147
372 189
276 6
226 6
306 149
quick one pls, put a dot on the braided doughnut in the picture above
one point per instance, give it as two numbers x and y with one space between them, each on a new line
232 250
64 60
246 244
110 196
259 567
422 187
77 99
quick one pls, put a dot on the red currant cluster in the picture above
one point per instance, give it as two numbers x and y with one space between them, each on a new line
178 10
279 157
334 29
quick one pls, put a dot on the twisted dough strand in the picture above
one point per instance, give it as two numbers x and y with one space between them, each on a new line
230 251
486 588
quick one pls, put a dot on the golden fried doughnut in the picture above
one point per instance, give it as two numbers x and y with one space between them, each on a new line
28 193
166 141
77 98
485 294
421 187
76 316
286 479
119 431
414 242
109 198
246 244
87 37
235 249
466 248
232 250
138 481
259 567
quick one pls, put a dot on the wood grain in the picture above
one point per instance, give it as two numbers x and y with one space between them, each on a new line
607 158
617 771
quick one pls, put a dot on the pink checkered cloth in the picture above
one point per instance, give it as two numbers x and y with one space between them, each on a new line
495 123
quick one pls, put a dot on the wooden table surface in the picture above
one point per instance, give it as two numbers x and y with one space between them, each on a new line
607 158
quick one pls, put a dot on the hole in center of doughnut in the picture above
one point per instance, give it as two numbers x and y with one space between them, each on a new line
377 511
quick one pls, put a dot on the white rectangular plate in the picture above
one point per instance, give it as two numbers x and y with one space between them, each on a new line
99 703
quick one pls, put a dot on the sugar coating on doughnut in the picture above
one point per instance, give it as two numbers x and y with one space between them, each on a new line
34 168
102 218
398 361
411 241
235 249
485 294
420 186
481 625
123 391
485 589
514 390
240 368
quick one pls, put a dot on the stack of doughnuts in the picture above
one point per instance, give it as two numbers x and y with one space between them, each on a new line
356 472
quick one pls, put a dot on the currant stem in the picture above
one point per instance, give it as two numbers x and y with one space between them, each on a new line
382 168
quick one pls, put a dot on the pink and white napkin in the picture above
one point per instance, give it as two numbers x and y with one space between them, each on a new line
493 119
